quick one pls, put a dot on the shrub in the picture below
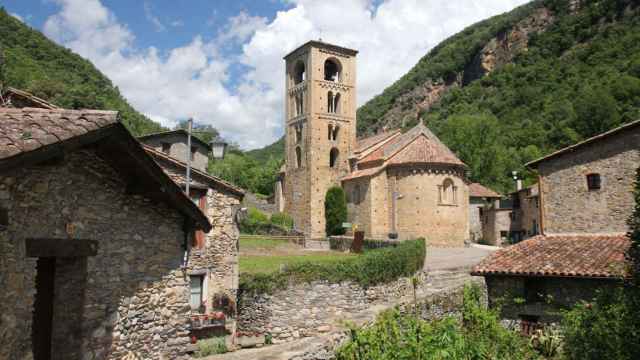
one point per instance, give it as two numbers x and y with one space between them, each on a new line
372 267
335 211
478 336
212 346
254 221
283 220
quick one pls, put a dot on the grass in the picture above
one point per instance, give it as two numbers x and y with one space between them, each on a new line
211 346
265 255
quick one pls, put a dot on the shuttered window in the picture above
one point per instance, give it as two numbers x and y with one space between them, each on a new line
196 288
200 199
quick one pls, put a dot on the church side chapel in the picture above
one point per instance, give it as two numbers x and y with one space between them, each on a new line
398 185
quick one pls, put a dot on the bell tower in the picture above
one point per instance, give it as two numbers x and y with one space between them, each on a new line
320 129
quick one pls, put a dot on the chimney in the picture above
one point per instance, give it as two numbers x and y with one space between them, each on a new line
518 185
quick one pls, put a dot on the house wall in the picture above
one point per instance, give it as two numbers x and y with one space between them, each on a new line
475 221
510 293
179 151
527 217
132 297
419 212
496 220
569 207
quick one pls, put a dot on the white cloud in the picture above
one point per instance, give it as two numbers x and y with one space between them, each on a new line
191 80
177 23
157 24
17 16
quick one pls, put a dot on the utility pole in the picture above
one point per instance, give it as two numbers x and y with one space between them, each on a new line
188 152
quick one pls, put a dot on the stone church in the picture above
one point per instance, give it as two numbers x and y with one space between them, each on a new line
398 185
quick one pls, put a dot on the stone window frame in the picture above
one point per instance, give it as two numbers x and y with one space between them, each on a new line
298 157
338 70
444 198
203 275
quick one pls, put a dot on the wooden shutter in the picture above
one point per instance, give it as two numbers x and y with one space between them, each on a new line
200 236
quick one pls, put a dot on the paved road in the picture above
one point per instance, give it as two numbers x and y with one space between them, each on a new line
451 258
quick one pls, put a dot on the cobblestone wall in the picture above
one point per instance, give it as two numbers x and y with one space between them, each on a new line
131 298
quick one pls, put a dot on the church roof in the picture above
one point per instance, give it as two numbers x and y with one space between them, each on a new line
417 146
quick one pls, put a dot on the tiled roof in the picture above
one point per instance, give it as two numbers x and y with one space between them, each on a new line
10 96
590 140
31 135
478 190
174 132
365 143
418 145
362 173
584 255
27 129
181 179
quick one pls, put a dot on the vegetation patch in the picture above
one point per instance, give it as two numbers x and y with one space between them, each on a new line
478 335
371 268
258 223
211 346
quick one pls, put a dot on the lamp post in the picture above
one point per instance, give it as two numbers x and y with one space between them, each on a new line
218 148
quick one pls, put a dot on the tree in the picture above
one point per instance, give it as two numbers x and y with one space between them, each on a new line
335 211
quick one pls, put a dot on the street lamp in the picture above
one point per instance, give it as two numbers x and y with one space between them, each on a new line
218 148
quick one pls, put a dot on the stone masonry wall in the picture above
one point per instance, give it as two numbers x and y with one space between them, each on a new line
570 207
307 309
131 298
218 259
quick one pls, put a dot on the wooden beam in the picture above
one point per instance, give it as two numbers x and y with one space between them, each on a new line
61 247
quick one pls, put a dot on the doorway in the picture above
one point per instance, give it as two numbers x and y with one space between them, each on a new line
42 324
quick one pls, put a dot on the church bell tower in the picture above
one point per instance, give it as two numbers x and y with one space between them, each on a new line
320 129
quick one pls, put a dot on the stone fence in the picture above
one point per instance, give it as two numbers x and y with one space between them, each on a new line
309 309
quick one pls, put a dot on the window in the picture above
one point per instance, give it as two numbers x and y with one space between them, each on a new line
166 147
336 104
332 132
333 102
516 201
593 182
196 290
448 193
298 133
193 152
332 70
299 74
333 157
330 102
200 199
534 290
298 157
481 212
504 235
299 100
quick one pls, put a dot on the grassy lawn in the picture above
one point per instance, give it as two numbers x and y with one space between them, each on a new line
266 255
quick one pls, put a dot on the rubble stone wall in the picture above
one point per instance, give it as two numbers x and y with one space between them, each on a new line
129 299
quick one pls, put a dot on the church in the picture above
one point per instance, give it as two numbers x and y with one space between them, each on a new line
398 185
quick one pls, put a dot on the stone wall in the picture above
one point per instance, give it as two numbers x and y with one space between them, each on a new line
132 297
541 297
313 308
475 220
251 200
218 259
178 149
570 207
496 221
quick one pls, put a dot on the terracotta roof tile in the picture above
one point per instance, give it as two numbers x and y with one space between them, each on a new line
585 255
27 129
362 173
365 143
478 190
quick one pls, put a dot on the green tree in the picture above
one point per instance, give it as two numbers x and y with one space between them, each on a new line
335 211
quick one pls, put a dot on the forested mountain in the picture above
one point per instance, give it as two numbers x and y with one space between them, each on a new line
519 85
36 64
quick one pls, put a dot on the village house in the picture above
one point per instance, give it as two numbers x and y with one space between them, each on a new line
398 185
585 199
513 218
174 144
480 197
94 238
213 263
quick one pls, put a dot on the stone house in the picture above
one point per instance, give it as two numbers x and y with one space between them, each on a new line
94 239
479 199
213 261
525 214
398 185
174 144
585 199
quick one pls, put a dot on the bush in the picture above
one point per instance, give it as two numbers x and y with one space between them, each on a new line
478 336
372 267
212 346
283 220
335 211
254 221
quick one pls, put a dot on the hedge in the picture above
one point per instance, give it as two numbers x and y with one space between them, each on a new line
371 268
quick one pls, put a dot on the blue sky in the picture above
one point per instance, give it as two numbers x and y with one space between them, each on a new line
221 61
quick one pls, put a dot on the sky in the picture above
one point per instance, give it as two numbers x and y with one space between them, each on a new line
220 61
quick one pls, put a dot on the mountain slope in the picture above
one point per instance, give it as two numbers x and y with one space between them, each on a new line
34 63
